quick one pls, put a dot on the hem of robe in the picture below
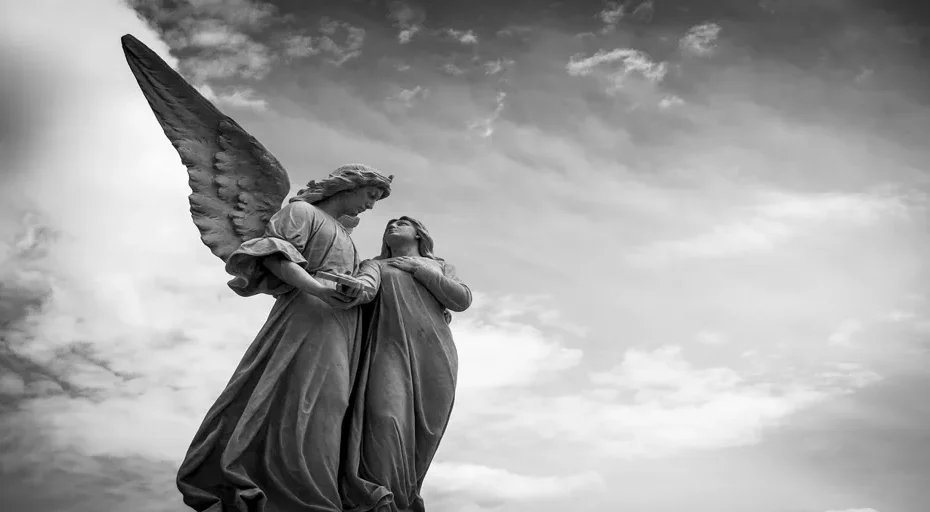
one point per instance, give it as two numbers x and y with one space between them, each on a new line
244 428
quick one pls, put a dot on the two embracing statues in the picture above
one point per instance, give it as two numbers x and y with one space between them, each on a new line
341 400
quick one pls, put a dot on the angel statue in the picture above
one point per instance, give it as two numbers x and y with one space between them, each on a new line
272 441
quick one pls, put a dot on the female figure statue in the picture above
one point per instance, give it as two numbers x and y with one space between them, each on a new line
407 378
273 441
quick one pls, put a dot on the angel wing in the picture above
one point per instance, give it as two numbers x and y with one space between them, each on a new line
236 184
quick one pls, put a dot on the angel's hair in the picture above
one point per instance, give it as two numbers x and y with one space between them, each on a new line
346 177
424 245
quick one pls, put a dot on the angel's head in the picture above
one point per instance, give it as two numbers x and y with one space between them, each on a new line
347 191
406 231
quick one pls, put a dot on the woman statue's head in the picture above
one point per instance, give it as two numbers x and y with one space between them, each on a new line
406 232
351 189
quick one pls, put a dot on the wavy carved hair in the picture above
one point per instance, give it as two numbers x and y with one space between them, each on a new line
344 178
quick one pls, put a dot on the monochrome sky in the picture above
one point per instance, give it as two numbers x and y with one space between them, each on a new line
696 230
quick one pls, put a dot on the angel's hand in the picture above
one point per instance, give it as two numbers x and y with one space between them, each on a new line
336 299
352 290
333 297
406 263
353 302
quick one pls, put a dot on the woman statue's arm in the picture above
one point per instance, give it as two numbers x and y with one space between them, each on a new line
445 286
369 273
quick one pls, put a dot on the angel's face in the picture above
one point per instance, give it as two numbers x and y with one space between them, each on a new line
361 199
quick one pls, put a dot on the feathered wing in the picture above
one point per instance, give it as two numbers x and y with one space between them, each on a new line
236 184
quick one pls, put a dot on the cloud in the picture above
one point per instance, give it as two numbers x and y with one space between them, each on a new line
451 69
774 219
670 102
498 347
657 404
237 97
485 126
644 12
464 485
612 13
408 97
515 30
632 62
407 18
354 40
845 331
218 32
700 40
462 36
493 67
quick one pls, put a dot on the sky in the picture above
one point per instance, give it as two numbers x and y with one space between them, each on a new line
696 232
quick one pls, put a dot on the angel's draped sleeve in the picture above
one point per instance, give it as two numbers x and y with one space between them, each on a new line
287 235
445 285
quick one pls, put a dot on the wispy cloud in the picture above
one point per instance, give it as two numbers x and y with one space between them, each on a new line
612 13
773 220
644 12
485 126
451 69
670 102
408 97
700 40
407 18
462 36
631 62
237 97
470 485
656 403
219 33
493 67
301 45
625 70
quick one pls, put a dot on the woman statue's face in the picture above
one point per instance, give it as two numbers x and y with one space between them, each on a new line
400 231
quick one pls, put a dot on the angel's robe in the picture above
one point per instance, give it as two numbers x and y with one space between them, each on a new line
406 385
271 441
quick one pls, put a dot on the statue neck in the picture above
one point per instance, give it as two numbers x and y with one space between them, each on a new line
405 250
331 207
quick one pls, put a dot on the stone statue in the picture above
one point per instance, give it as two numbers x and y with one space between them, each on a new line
273 440
406 387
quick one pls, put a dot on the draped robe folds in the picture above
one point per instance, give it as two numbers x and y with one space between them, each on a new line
406 385
271 442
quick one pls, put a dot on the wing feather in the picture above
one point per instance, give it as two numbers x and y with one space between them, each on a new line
236 184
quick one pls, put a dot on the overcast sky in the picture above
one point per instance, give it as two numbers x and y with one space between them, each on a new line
696 231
